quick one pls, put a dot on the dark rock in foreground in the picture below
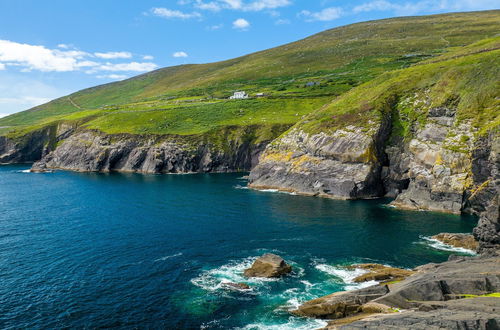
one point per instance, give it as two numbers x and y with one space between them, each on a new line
458 294
269 265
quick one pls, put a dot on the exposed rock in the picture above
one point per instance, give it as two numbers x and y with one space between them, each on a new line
478 313
458 240
345 164
432 298
92 151
448 280
269 265
237 286
341 304
379 272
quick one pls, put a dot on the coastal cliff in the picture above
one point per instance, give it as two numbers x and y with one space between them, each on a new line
66 147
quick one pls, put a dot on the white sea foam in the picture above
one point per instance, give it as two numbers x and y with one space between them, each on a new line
168 257
25 171
294 323
241 187
436 244
346 275
214 279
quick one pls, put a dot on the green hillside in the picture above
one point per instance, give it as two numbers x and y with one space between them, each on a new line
467 79
192 99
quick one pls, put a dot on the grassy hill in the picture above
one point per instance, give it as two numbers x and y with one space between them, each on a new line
192 99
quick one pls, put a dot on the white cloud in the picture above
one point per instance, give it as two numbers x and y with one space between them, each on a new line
132 66
282 22
169 13
26 58
215 27
38 57
148 57
241 24
180 54
425 6
112 76
256 5
327 14
113 55
63 46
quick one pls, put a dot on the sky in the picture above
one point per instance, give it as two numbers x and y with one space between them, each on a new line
51 48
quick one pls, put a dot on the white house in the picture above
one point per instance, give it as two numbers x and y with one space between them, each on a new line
239 96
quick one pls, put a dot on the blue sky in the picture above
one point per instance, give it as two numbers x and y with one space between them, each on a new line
54 47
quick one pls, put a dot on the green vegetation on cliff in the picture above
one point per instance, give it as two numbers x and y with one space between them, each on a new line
296 79
466 79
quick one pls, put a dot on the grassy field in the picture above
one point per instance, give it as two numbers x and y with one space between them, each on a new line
192 99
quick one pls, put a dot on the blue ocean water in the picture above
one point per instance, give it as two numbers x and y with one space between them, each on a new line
153 251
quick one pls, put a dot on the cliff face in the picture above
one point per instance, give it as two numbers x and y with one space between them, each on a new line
443 167
87 150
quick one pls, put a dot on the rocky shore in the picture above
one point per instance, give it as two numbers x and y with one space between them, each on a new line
462 293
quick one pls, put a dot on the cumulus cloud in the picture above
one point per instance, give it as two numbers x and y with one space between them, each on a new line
148 58
327 14
241 24
27 58
169 13
256 5
179 54
32 57
112 55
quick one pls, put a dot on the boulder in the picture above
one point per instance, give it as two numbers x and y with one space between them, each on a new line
379 272
269 265
341 304
458 240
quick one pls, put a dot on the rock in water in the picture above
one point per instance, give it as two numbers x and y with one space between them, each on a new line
377 272
236 286
458 240
269 265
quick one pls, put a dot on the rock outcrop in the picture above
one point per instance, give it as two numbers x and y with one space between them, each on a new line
458 294
377 272
458 240
269 265
93 151
346 164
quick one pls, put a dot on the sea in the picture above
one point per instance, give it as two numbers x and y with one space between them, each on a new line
134 251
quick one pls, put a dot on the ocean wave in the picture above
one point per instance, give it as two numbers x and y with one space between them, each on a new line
438 245
241 187
277 191
346 275
295 323
215 279
168 257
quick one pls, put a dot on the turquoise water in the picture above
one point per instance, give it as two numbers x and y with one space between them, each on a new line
148 251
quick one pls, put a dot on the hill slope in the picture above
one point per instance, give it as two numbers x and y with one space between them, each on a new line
336 60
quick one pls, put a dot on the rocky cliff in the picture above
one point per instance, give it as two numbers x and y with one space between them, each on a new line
427 136
72 148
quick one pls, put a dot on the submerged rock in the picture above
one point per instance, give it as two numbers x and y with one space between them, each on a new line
237 286
379 272
269 265
458 240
